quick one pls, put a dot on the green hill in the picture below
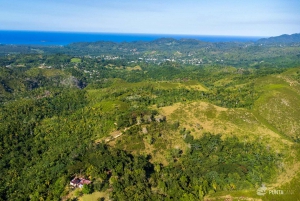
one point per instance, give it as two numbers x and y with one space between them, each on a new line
283 39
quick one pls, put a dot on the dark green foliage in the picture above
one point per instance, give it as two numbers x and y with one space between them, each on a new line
24 143
86 189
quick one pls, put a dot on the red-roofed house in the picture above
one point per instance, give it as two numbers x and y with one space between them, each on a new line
79 182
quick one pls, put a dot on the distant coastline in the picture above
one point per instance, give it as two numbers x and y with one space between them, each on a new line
65 38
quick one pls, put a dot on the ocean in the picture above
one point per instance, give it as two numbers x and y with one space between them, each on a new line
65 38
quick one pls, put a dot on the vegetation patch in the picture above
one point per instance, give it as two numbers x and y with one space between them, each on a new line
133 68
75 60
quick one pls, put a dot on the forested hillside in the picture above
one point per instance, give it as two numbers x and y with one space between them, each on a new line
162 120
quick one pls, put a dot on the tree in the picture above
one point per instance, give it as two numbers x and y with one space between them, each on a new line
86 189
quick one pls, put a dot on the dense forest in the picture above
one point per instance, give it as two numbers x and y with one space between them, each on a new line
162 120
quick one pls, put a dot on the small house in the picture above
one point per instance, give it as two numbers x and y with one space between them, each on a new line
79 182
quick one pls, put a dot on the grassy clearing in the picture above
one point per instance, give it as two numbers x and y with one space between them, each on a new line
33 72
201 117
94 196
274 86
279 109
234 196
95 95
95 98
111 66
107 106
75 60
280 101
223 82
166 85
192 85
133 68
168 110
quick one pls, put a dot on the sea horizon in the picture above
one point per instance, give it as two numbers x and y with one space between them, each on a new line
48 38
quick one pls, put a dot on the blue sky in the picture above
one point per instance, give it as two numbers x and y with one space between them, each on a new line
195 17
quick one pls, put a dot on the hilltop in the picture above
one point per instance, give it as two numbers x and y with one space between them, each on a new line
282 40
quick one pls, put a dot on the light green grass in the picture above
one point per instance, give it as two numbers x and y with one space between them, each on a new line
235 195
107 106
94 196
33 72
95 94
75 60
274 86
